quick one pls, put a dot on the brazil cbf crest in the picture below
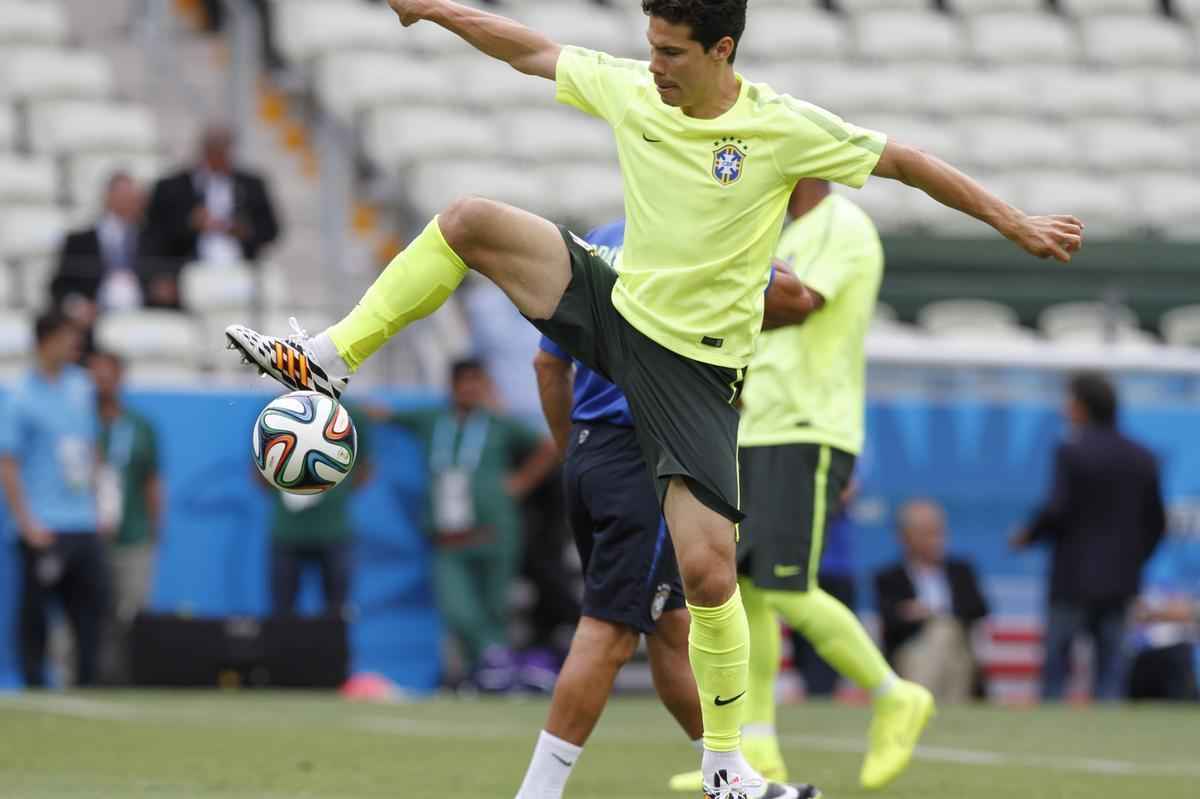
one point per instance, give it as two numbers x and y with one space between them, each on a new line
729 160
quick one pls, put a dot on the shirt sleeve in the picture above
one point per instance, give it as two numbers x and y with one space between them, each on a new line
597 83
823 145
548 346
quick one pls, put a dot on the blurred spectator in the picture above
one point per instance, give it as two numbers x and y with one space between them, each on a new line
1165 667
106 267
1103 519
213 211
129 454
316 530
929 604
474 517
48 468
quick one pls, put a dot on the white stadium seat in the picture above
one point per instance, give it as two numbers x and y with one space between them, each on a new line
888 203
1107 208
75 126
908 36
955 92
313 28
1128 40
435 184
8 127
166 337
875 6
31 278
608 31
1015 38
1005 144
478 82
588 195
1069 319
1181 326
977 7
1174 94
952 316
1128 145
31 231
16 338
940 139
351 83
552 135
1071 93
30 181
23 22
88 175
851 91
8 289
1188 9
399 137
777 34
54 74
205 287
1092 8
1169 203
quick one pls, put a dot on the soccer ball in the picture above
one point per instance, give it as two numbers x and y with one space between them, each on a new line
304 443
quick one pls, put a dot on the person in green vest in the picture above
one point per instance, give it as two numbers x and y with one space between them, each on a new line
130 497
316 530
481 464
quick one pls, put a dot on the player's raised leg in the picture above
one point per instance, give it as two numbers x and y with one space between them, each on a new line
522 253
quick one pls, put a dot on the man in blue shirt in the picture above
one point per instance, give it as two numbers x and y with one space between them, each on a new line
48 470
631 579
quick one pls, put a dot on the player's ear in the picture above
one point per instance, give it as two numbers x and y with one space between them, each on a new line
723 50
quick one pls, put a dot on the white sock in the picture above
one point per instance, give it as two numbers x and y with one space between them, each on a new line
732 763
758 730
325 351
698 744
553 759
884 688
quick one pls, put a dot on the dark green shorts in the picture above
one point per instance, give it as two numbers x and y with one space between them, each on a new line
683 410
790 492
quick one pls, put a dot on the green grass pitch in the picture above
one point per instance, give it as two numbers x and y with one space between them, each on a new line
300 746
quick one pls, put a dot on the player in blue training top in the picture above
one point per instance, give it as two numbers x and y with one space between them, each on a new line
632 584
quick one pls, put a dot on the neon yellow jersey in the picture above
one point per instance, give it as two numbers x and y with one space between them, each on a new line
807 383
705 198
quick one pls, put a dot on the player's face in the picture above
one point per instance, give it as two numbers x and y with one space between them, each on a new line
683 72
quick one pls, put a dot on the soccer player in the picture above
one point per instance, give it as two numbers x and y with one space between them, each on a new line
801 431
708 160
631 580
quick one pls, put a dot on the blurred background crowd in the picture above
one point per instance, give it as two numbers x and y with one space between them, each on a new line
168 167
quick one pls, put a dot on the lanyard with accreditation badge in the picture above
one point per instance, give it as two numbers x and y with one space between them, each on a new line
453 503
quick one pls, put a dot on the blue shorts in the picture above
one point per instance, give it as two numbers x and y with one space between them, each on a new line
629 568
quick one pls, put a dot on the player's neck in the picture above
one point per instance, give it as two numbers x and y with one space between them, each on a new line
723 97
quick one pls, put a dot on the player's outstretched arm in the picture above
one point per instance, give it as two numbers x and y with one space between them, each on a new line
1058 236
525 50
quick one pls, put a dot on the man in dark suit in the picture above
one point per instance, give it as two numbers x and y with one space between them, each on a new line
1103 520
107 267
928 604
213 211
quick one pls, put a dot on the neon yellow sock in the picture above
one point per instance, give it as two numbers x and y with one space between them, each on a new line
719 648
835 632
414 285
764 656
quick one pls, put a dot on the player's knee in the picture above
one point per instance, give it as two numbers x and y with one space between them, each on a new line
462 222
708 576
616 643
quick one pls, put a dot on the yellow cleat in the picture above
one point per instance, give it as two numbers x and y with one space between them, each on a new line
900 717
763 755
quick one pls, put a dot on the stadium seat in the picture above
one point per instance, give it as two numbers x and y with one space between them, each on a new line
588 195
30 231
397 137
16 341
954 92
1108 209
1181 326
274 287
1128 340
1188 9
970 8
948 317
1173 94
849 91
27 181
88 174
597 29
1119 145
9 295
1007 144
1016 38
207 287
1169 203
942 140
552 135
8 127
160 337
1129 40
23 22
888 203
434 184
68 127
875 6
777 34
1092 8
483 83
32 278
54 74
1080 319
782 78
347 84
313 28
1070 93
908 36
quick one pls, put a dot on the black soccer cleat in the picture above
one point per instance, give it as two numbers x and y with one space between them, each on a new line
288 360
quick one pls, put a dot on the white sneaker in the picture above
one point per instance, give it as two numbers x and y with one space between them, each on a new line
288 360
723 785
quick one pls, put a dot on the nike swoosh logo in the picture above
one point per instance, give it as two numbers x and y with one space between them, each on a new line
722 702
567 763
787 571
652 141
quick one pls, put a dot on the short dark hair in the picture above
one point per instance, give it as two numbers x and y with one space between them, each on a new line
459 368
710 20
50 323
1097 395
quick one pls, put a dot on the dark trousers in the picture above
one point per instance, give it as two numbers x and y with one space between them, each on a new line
1164 673
1106 627
74 571
546 538
819 677
287 565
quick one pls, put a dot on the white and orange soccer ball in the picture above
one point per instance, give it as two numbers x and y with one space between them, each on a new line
304 443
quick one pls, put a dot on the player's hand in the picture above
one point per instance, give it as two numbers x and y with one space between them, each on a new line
1057 236
409 11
